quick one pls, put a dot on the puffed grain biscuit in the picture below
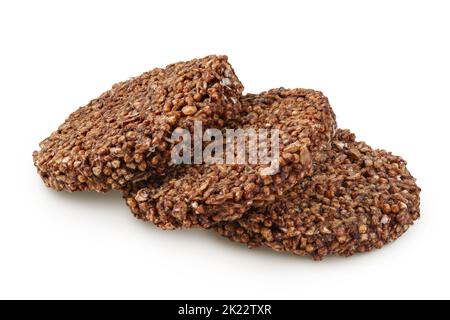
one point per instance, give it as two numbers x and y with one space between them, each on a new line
203 195
358 199
124 135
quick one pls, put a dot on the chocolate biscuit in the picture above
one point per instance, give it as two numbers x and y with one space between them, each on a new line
203 195
357 200
124 135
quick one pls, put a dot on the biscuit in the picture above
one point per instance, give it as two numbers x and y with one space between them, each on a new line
203 195
124 135
357 200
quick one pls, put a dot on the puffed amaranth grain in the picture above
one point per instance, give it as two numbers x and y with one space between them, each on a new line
203 195
357 200
123 135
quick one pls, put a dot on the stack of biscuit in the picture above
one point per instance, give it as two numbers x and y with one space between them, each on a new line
329 195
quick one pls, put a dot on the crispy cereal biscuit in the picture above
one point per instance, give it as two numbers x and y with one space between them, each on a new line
357 200
203 195
124 134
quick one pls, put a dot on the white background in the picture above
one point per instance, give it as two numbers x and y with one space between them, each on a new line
383 64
